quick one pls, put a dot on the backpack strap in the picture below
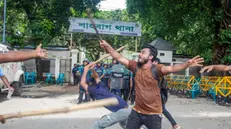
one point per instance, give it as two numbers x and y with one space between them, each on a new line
137 67
154 73
156 76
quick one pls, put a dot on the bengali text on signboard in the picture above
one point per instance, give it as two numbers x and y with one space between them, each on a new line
105 27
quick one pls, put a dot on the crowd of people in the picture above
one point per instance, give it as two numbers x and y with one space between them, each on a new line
126 79
110 80
117 78
120 80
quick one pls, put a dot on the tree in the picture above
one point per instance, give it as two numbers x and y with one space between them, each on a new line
194 27
42 20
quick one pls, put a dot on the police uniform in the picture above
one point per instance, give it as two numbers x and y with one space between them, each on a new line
116 78
126 82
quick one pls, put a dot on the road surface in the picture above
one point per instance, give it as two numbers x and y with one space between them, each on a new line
199 113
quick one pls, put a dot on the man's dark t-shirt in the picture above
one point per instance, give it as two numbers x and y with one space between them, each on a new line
100 91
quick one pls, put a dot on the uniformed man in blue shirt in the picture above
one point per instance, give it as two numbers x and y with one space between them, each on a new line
74 73
81 90
106 76
116 78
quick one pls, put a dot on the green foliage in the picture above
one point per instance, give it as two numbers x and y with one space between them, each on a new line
225 36
199 27
40 21
194 27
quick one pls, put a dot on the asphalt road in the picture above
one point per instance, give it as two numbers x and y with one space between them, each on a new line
199 113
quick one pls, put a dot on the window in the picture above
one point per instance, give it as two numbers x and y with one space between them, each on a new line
161 54
45 66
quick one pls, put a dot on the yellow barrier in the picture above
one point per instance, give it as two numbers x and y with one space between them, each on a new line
181 82
169 81
217 85
223 87
208 82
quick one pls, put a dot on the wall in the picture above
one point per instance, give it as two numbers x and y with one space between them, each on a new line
178 60
165 56
65 63
194 71
30 65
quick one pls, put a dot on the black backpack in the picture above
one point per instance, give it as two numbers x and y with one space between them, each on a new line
162 83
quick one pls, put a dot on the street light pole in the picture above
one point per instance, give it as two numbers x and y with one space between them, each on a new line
4 24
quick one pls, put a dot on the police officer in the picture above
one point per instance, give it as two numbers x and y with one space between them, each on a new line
100 69
81 90
78 74
106 76
74 72
116 78
126 82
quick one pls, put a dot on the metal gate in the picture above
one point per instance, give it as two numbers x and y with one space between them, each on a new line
65 67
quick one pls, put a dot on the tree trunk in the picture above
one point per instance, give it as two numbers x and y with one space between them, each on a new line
220 49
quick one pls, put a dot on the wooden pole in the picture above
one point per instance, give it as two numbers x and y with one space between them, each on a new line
84 106
107 55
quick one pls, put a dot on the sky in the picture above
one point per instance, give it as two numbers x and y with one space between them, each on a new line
112 4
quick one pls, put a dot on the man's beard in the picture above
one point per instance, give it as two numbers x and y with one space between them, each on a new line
144 61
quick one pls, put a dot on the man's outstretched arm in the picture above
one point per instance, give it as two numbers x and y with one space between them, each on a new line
117 56
15 56
209 68
176 68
